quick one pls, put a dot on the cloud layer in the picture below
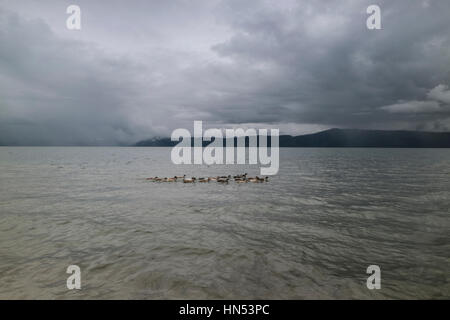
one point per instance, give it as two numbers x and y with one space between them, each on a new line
143 68
438 102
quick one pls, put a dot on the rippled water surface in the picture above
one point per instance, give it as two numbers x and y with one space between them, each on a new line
310 232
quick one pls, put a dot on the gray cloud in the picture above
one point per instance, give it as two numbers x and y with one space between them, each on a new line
440 93
55 91
438 102
414 107
143 68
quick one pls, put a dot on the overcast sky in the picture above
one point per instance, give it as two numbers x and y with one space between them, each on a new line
139 69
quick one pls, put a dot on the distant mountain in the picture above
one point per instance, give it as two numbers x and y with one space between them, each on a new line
345 138
369 138
156 142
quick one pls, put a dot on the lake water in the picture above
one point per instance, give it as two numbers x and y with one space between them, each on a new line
310 232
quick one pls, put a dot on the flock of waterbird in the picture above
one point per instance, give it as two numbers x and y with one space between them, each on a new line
242 178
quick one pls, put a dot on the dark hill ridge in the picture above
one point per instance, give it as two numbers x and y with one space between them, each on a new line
346 138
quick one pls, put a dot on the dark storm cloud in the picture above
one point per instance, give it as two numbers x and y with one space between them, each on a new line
55 91
143 68
334 71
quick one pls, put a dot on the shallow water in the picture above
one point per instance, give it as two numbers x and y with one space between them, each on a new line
310 232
